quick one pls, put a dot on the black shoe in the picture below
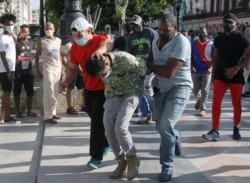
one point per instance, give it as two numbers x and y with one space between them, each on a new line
236 133
247 94
166 175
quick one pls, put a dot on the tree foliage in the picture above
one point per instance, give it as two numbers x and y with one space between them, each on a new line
244 3
145 8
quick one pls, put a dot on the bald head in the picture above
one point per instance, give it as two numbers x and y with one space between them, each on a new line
49 26
170 19
49 29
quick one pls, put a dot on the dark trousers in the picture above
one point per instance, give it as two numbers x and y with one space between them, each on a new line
94 101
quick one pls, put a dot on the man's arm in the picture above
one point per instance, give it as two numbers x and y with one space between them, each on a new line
168 70
215 60
70 76
105 46
230 72
38 53
6 66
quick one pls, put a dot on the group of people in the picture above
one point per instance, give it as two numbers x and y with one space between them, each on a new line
15 67
163 67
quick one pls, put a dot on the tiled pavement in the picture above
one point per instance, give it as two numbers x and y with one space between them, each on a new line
30 153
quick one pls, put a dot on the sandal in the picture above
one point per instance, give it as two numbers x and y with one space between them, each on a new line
32 114
71 111
19 115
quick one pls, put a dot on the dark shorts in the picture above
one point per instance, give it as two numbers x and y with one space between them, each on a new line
78 82
25 80
5 83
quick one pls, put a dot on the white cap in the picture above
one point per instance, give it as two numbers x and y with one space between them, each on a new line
107 26
80 24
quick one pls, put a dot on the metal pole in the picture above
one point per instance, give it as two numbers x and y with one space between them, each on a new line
178 9
41 20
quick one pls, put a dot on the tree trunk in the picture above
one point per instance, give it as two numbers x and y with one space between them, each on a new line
121 15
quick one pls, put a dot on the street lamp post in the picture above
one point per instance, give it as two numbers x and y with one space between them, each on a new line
72 10
178 7
41 20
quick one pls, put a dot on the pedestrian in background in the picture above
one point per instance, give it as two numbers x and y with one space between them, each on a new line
49 48
77 82
228 67
85 45
120 72
202 52
172 63
139 44
7 63
23 72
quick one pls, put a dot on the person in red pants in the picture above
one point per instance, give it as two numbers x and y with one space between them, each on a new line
228 73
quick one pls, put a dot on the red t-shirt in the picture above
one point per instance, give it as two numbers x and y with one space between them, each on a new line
79 55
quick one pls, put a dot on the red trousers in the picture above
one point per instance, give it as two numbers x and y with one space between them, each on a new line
219 91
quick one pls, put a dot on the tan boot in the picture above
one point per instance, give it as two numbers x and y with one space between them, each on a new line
202 113
133 167
197 104
120 170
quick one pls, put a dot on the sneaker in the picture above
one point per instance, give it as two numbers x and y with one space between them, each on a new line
94 163
144 120
247 94
197 104
106 150
133 167
166 175
12 120
212 135
50 121
202 113
236 133
120 170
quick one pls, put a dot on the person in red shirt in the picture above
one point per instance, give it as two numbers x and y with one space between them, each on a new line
88 45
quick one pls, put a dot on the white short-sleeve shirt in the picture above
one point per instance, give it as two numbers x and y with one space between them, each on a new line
7 45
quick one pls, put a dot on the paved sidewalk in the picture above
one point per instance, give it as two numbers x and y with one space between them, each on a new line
65 150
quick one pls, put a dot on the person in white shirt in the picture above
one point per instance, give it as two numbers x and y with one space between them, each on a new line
7 63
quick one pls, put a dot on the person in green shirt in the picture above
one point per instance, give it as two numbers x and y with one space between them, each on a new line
121 73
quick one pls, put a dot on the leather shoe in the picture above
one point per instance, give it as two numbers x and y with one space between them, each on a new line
50 121
56 117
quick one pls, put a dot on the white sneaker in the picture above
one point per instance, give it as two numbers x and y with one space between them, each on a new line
12 120
144 120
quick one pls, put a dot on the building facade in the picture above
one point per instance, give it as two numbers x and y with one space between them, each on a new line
197 13
22 9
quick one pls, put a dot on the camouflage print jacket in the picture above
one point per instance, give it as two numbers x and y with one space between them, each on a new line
126 74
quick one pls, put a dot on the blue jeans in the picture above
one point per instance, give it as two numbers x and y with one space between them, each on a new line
168 110
146 105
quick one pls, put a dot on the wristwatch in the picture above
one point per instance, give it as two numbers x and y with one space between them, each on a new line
9 74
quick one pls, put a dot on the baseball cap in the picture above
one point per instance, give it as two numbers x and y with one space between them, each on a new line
107 26
136 19
80 24
230 17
